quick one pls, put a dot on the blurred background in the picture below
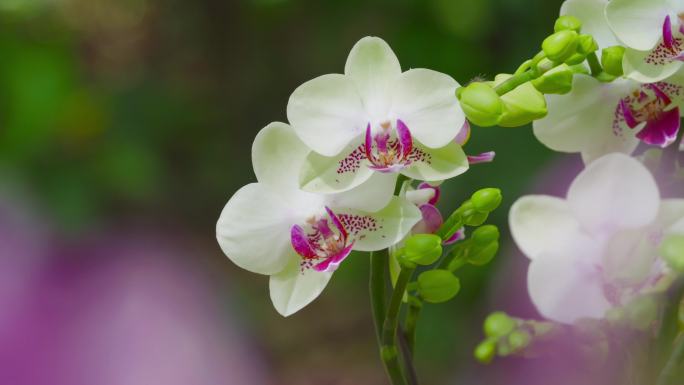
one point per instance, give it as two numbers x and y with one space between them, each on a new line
125 126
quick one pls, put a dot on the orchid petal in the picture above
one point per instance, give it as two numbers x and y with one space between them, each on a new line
277 155
582 121
327 113
331 263
430 164
372 195
373 67
564 288
541 224
432 220
424 100
293 288
614 192
591 13
254 214
638 68
343 172
376 231
637 23
671 211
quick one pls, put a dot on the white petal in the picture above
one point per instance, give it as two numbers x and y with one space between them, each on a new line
436 164
343 172
677 228
376 231
565 288
254 229
327 113
637 23
671 212
542 224
373 67
425 100
614 192
591 13
636 68
372 195
582 121
629 257
277 157
292 288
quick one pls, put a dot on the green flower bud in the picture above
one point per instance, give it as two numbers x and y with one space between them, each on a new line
437 286
672 251
485 351
560 46
523 105
499 324
567 23
475 218
486 200
483 236
519 340
611 60
423 249
586 44
556 81
481 104
480 256
577 58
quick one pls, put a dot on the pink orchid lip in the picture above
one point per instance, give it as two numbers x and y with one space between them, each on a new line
654 107
485 157
327 244
390 155
670 48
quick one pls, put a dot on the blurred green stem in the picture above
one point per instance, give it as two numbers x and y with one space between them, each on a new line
669 372
412 315
378 274
388 344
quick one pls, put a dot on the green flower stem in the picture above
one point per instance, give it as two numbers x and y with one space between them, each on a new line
670 325
513 82
673 365
594 64
378 276
412 314
388 343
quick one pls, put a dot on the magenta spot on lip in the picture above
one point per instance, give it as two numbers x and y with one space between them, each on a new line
484 157
652 107
300 242
668 38
405 141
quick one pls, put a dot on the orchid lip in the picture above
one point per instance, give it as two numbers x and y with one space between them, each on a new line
651 108
325 245
385 153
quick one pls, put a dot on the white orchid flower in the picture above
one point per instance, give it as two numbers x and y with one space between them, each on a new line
598 118
598 248
298 238
375 118
653 31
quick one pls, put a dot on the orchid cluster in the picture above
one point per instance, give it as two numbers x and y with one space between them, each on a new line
359 168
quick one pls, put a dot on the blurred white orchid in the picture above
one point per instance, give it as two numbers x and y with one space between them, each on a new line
598 248
653 31
375 118
299 238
